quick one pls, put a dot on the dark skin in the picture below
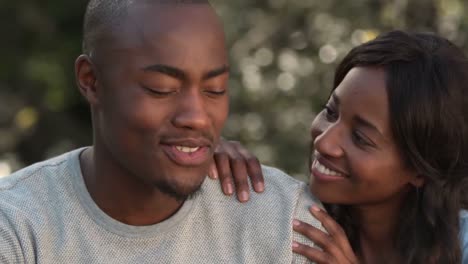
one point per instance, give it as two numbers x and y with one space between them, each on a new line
356 162
157 87
232 163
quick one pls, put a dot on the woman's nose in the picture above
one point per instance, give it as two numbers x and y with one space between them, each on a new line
328 140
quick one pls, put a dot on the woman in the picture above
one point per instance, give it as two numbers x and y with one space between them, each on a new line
390 156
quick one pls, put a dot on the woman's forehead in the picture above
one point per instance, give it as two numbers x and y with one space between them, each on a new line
363 94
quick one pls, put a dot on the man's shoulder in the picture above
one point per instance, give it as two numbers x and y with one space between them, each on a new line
303 200
279 180
282 196
267 217
35 183
281 183
23 198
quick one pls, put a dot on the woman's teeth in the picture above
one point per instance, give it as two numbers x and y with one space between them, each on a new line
324 170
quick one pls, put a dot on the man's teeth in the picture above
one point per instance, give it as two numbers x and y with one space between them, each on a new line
322 169
187 149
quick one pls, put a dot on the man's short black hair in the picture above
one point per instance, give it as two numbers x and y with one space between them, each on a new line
104 15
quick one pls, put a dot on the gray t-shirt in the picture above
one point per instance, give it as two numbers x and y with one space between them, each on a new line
48 216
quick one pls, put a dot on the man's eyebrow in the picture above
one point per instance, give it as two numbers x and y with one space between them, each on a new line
179 74
216 72
167 70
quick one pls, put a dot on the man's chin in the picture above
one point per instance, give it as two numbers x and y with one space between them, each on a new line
178 192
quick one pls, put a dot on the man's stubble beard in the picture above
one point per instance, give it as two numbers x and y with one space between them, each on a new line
178 193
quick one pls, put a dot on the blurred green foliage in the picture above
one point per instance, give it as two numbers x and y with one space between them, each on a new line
283 55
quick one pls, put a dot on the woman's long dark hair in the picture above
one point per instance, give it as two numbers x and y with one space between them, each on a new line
427 87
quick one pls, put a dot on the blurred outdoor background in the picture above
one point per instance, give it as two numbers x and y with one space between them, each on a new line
283 55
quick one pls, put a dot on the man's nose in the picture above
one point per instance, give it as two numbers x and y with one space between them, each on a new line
191 112
330 140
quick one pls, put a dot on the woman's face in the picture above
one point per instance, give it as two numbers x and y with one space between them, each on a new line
355 159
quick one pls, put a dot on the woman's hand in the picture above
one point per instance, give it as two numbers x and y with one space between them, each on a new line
335 245
234 165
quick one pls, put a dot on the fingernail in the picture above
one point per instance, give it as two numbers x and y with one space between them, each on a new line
229 189
295 244
315 208
244 196
214 174
260 187
296 223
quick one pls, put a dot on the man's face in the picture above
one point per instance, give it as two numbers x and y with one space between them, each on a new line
163 99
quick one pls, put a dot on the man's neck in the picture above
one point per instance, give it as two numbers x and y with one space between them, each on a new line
122 196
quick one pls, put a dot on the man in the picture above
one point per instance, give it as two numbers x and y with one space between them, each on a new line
155 75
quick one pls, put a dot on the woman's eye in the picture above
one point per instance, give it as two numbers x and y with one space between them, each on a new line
360 139
330 113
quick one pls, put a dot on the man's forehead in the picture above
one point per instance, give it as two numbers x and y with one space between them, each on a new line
176 1
106 18
151 25
156 22
152 35
171 15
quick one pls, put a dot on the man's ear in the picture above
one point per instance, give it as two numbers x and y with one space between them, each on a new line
86 79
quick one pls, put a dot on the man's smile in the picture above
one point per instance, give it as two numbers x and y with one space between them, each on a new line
188 152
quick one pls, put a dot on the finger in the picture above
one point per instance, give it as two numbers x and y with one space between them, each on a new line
333 229
319 237
311 253
224 173
254 168
239 172
213 171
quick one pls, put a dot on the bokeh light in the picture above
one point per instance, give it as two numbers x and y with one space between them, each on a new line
282 57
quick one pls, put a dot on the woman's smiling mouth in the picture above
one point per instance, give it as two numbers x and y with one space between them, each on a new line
323 172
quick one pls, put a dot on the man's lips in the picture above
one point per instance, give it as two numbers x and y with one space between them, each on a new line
188 152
